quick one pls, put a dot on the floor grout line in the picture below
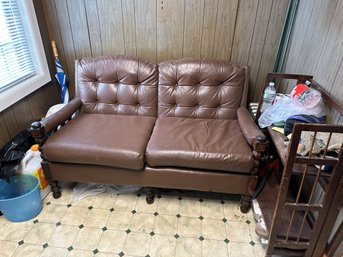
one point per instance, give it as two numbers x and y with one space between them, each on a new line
204 209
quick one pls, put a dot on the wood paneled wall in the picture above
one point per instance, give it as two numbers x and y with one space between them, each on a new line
317 44
33 107
241 31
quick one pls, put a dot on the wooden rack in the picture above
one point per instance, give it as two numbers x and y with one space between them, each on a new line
295 224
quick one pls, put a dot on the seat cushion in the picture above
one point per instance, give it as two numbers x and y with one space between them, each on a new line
102 139
199 143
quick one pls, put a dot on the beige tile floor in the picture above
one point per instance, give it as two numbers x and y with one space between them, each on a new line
178 224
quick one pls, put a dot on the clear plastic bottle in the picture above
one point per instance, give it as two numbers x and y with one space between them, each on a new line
306 95
268 96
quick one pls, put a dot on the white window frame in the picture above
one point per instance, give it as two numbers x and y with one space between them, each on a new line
12 95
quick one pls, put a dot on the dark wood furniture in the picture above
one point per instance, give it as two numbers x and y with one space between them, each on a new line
296 225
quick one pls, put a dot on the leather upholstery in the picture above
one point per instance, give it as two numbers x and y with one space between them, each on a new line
211 144
200 139
201 89
111 140
117 85
165 177
248 126
62 115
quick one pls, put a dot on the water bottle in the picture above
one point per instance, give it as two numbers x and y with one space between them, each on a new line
268 96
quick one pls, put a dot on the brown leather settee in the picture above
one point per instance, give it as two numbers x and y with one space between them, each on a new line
179 124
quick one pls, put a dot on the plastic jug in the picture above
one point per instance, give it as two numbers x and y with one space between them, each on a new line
31 164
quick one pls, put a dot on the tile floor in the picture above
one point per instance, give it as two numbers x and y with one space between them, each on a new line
177 224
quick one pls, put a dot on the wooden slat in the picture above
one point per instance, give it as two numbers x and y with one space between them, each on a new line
337 89
316 161
271 44
93 27
332 54
4 135
51 19
11 122
79 28
260 31
292 245
38 102
129 27
209 27
111 26
146 29
303 16
194 12
317 29
244 31
22 114
225 29
170 26
68 44
303 206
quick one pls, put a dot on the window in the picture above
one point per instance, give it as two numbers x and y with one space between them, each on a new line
23 66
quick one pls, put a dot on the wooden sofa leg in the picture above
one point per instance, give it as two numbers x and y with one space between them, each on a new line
245 203
56 190
150 195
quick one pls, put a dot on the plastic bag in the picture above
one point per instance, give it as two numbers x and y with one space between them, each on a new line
12 153
286 107
83 190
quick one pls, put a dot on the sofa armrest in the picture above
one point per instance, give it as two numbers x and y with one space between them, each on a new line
250 130
40 128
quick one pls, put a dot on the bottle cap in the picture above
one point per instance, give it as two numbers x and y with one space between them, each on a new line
307 83
35 147
271 84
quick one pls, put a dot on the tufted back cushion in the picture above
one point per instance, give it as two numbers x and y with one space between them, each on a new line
117 85
201 89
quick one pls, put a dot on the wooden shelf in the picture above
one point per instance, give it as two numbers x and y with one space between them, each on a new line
267 200
298 169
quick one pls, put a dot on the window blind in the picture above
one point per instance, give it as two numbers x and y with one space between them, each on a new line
15 60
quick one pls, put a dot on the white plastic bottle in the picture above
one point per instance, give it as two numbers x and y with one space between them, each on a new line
268 96
31 164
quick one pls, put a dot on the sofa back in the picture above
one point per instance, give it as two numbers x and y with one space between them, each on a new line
201 89
117 85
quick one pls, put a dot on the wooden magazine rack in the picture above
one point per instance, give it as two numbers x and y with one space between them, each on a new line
296 224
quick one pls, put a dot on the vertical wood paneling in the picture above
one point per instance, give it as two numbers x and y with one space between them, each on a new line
225 29
321 52
68 44
146 29
79 28
22 113
129 27
306 51
93 27
170 29
240 31
303 16
271 43
111 26
54 29
209 28
244 31
11 122
194 12
4 135
257 44
337 87
331 56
